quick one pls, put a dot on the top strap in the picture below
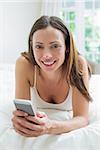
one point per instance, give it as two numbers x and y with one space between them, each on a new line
35 70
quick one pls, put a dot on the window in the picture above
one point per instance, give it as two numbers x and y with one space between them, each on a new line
92 30
83 19
68 14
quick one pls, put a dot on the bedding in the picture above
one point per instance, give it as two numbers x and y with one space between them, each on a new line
87 138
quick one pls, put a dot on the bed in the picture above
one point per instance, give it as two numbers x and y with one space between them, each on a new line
87 138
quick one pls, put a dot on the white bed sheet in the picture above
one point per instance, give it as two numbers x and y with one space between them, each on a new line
87 138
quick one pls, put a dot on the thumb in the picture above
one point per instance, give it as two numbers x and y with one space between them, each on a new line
41 114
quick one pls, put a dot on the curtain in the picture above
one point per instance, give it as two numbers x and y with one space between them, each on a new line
51 7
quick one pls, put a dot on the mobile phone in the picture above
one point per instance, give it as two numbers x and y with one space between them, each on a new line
25 105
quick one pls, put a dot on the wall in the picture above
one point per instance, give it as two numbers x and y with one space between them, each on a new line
16 19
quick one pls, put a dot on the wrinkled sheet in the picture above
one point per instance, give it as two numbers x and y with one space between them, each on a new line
87 138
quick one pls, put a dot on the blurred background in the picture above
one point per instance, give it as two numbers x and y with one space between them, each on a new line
82 17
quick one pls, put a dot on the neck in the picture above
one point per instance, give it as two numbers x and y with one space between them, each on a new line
51 76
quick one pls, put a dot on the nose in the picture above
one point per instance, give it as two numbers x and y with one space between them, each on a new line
47 54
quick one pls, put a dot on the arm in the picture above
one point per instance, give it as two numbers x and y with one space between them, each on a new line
80 113
24 76
46 126
80 106
79 120
23 71
80 116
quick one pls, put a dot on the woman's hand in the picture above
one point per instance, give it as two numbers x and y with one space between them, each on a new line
29 126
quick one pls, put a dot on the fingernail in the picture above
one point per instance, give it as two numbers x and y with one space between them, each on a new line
26 114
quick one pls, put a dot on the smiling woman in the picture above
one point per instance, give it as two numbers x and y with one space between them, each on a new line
58 76
49 53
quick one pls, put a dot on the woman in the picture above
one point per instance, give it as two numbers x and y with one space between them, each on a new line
59 77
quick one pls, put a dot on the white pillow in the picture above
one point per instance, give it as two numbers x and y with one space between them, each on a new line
95 93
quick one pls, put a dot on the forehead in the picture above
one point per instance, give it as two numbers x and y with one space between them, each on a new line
48 33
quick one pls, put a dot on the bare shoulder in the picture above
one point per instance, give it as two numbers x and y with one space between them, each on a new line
24 67
23 64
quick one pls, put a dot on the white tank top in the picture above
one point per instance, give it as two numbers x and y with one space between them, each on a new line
42 104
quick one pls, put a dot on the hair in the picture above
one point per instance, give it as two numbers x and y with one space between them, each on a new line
70 65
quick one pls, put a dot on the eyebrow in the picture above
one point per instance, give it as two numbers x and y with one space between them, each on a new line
49 43
39 43
53 42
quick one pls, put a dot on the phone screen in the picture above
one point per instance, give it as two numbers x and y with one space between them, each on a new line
25 107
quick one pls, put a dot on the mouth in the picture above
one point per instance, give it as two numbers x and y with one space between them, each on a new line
48 64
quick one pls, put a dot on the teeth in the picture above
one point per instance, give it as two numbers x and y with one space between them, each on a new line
48 63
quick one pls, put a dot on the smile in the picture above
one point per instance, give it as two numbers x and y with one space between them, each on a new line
48 63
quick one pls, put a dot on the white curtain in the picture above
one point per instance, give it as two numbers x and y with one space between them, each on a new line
51 7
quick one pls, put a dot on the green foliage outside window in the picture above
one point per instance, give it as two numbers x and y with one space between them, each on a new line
69 18
72 16
91 26
92 39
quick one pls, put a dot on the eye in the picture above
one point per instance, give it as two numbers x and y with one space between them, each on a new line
55 46
38 46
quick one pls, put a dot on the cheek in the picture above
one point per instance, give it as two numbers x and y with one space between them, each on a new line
62 53
36 54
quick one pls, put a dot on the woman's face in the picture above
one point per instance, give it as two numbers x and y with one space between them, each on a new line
49 48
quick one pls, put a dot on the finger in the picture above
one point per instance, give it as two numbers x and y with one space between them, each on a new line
29 125
20 113
40 114
21 133
36 134
23 125
19 127
18 119
23 122
35 120
26 132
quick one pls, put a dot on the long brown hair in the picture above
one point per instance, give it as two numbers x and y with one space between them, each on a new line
70 65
